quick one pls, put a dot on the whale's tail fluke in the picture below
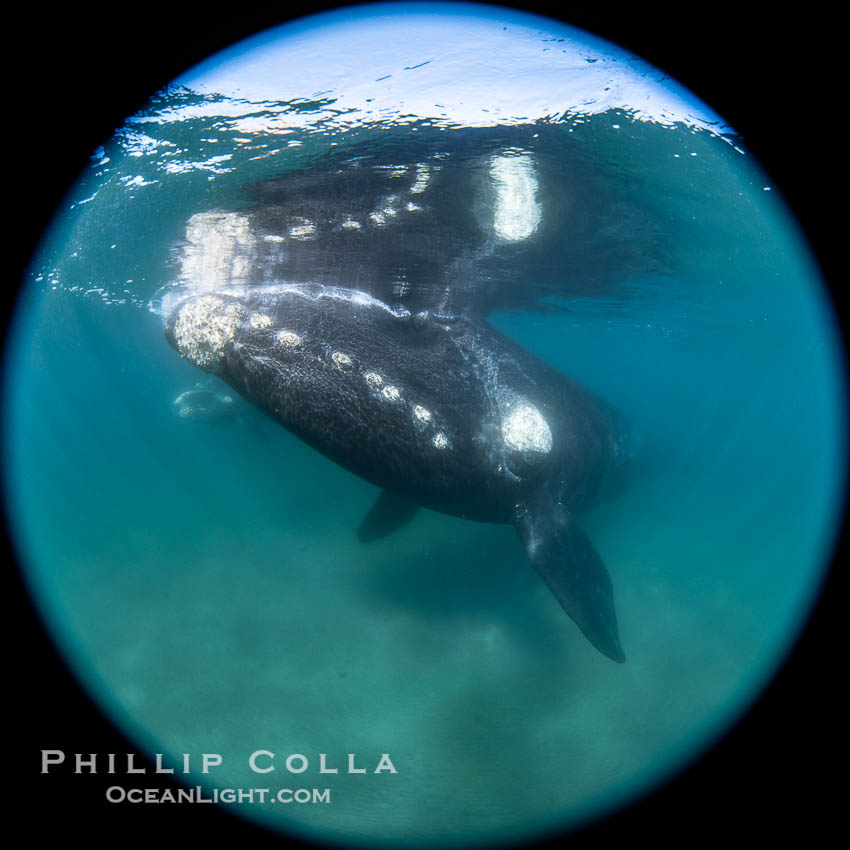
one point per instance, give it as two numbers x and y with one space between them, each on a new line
565 558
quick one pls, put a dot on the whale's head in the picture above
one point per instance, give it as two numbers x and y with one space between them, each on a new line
301 351
345 372
211 329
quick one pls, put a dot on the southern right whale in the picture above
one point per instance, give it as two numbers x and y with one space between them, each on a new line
348 301
440 412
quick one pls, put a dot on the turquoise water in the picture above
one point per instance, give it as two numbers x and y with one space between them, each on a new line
205 581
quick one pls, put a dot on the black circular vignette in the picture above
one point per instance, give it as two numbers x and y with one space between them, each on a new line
77 77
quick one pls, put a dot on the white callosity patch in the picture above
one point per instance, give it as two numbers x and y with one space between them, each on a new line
525 430
516 210
260 320
351 224
373 379
289 339
391 393
422 414
441 441
219 250
204 328
342 361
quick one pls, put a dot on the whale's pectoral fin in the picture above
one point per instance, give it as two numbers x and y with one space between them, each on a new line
389 513
566 560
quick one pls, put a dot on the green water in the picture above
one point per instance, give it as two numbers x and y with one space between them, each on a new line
206 584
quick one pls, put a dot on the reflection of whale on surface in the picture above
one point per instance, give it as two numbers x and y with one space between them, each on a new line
204 405
440 412
462 223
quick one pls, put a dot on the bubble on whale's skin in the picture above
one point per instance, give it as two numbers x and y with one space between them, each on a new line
525 430
204 328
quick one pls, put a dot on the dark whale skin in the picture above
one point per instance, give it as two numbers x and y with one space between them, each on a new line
417 404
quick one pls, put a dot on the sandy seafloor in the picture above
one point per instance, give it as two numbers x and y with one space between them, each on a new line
208 587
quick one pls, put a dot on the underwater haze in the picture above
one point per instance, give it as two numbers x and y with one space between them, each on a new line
206 583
